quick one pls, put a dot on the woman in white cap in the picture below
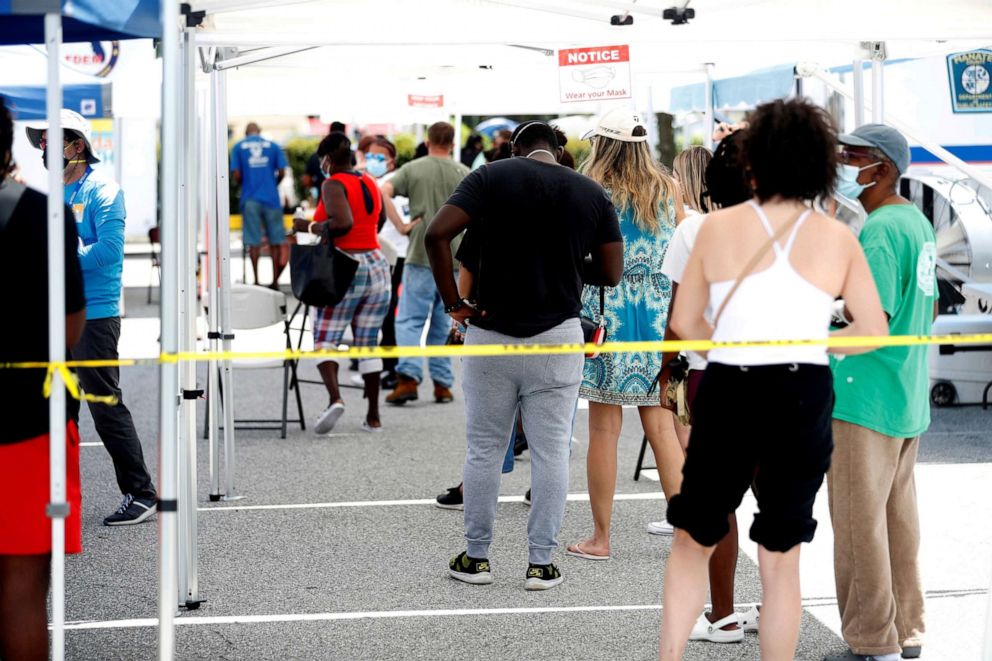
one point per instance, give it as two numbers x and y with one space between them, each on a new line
648 207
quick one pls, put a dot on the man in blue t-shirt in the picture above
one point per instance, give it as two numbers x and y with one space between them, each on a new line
258 165
98 205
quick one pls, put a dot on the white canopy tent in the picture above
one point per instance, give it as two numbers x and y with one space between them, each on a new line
490 56
498 56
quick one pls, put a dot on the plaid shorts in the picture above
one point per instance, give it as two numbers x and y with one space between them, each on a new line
364 307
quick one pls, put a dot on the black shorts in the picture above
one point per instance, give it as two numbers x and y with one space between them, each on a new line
769 424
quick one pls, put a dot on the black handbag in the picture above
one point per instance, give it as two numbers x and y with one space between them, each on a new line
594 332
321 274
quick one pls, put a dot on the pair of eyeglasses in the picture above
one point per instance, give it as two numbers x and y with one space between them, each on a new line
847 156
43 143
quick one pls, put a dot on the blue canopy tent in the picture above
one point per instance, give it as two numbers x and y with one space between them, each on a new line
82 20
51 22
28 102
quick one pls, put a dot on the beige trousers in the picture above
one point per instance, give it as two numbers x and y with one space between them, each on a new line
872 496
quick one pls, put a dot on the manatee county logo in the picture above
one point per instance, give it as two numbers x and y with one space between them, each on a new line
975 79
95 58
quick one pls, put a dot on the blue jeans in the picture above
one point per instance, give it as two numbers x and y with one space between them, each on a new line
420 301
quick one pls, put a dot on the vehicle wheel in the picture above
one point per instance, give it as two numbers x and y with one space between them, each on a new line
943 394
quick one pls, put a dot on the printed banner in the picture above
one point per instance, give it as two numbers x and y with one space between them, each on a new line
425 100
594 73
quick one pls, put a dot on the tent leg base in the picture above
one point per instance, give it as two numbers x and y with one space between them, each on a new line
214 497
193 604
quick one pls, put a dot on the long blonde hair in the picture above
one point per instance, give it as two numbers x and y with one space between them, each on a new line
633 177
690 168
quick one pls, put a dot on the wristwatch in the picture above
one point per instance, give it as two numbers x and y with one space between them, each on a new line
457 305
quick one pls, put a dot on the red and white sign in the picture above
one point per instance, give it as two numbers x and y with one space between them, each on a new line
594 74
425 100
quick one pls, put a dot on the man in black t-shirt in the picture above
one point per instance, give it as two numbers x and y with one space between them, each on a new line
534 222
25 529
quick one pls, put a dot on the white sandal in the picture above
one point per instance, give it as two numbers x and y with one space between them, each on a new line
749 620
712 632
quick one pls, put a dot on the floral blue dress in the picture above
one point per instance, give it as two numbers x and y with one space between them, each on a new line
635 310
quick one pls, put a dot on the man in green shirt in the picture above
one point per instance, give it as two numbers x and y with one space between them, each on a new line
880 411
427 182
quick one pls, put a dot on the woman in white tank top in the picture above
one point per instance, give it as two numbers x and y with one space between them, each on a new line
788 295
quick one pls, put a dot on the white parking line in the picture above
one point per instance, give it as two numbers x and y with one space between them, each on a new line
81 625
359 615
580 497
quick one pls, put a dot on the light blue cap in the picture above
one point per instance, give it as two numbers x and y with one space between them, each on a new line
884 138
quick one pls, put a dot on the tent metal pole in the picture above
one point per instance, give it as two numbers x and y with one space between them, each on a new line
189 596
58 509
877 91
456 153
180 294
813 70
258 56
224 254
212 274
859 92
708 104
169 372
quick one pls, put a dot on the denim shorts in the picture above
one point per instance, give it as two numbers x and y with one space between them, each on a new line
255 217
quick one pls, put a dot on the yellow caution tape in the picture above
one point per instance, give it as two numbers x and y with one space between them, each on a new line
479 350
72 385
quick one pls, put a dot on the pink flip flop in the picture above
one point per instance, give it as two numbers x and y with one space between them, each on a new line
579 553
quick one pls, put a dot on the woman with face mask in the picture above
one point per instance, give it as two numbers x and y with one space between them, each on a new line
349 215
380 162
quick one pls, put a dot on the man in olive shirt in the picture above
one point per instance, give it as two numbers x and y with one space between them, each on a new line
427 182
880 411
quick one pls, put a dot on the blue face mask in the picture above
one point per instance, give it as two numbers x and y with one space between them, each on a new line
847 180
375 165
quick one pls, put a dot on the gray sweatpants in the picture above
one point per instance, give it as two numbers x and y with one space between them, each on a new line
546 388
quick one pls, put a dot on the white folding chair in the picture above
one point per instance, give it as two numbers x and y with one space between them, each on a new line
260 324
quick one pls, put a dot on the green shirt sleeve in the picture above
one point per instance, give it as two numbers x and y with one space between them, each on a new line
400 182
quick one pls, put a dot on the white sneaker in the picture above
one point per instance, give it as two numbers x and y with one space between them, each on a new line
329 418
749 620
711 631
661 528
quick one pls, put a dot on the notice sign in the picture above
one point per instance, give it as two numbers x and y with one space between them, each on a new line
425 100
594 74
971 81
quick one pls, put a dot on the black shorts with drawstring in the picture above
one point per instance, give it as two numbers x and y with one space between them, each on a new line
769 424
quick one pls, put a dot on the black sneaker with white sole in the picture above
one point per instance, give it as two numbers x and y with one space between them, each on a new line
470 570
542 577
452 500
131 510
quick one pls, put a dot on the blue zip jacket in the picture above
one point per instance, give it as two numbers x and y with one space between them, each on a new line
98 205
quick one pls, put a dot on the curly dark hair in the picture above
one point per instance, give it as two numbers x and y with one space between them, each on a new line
791 150
726 178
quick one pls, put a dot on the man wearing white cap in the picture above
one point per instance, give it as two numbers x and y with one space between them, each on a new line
98 205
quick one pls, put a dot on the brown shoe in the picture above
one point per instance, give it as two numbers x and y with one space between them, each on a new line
405 391
443 395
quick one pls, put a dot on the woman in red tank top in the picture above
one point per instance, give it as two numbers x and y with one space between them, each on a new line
349 215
